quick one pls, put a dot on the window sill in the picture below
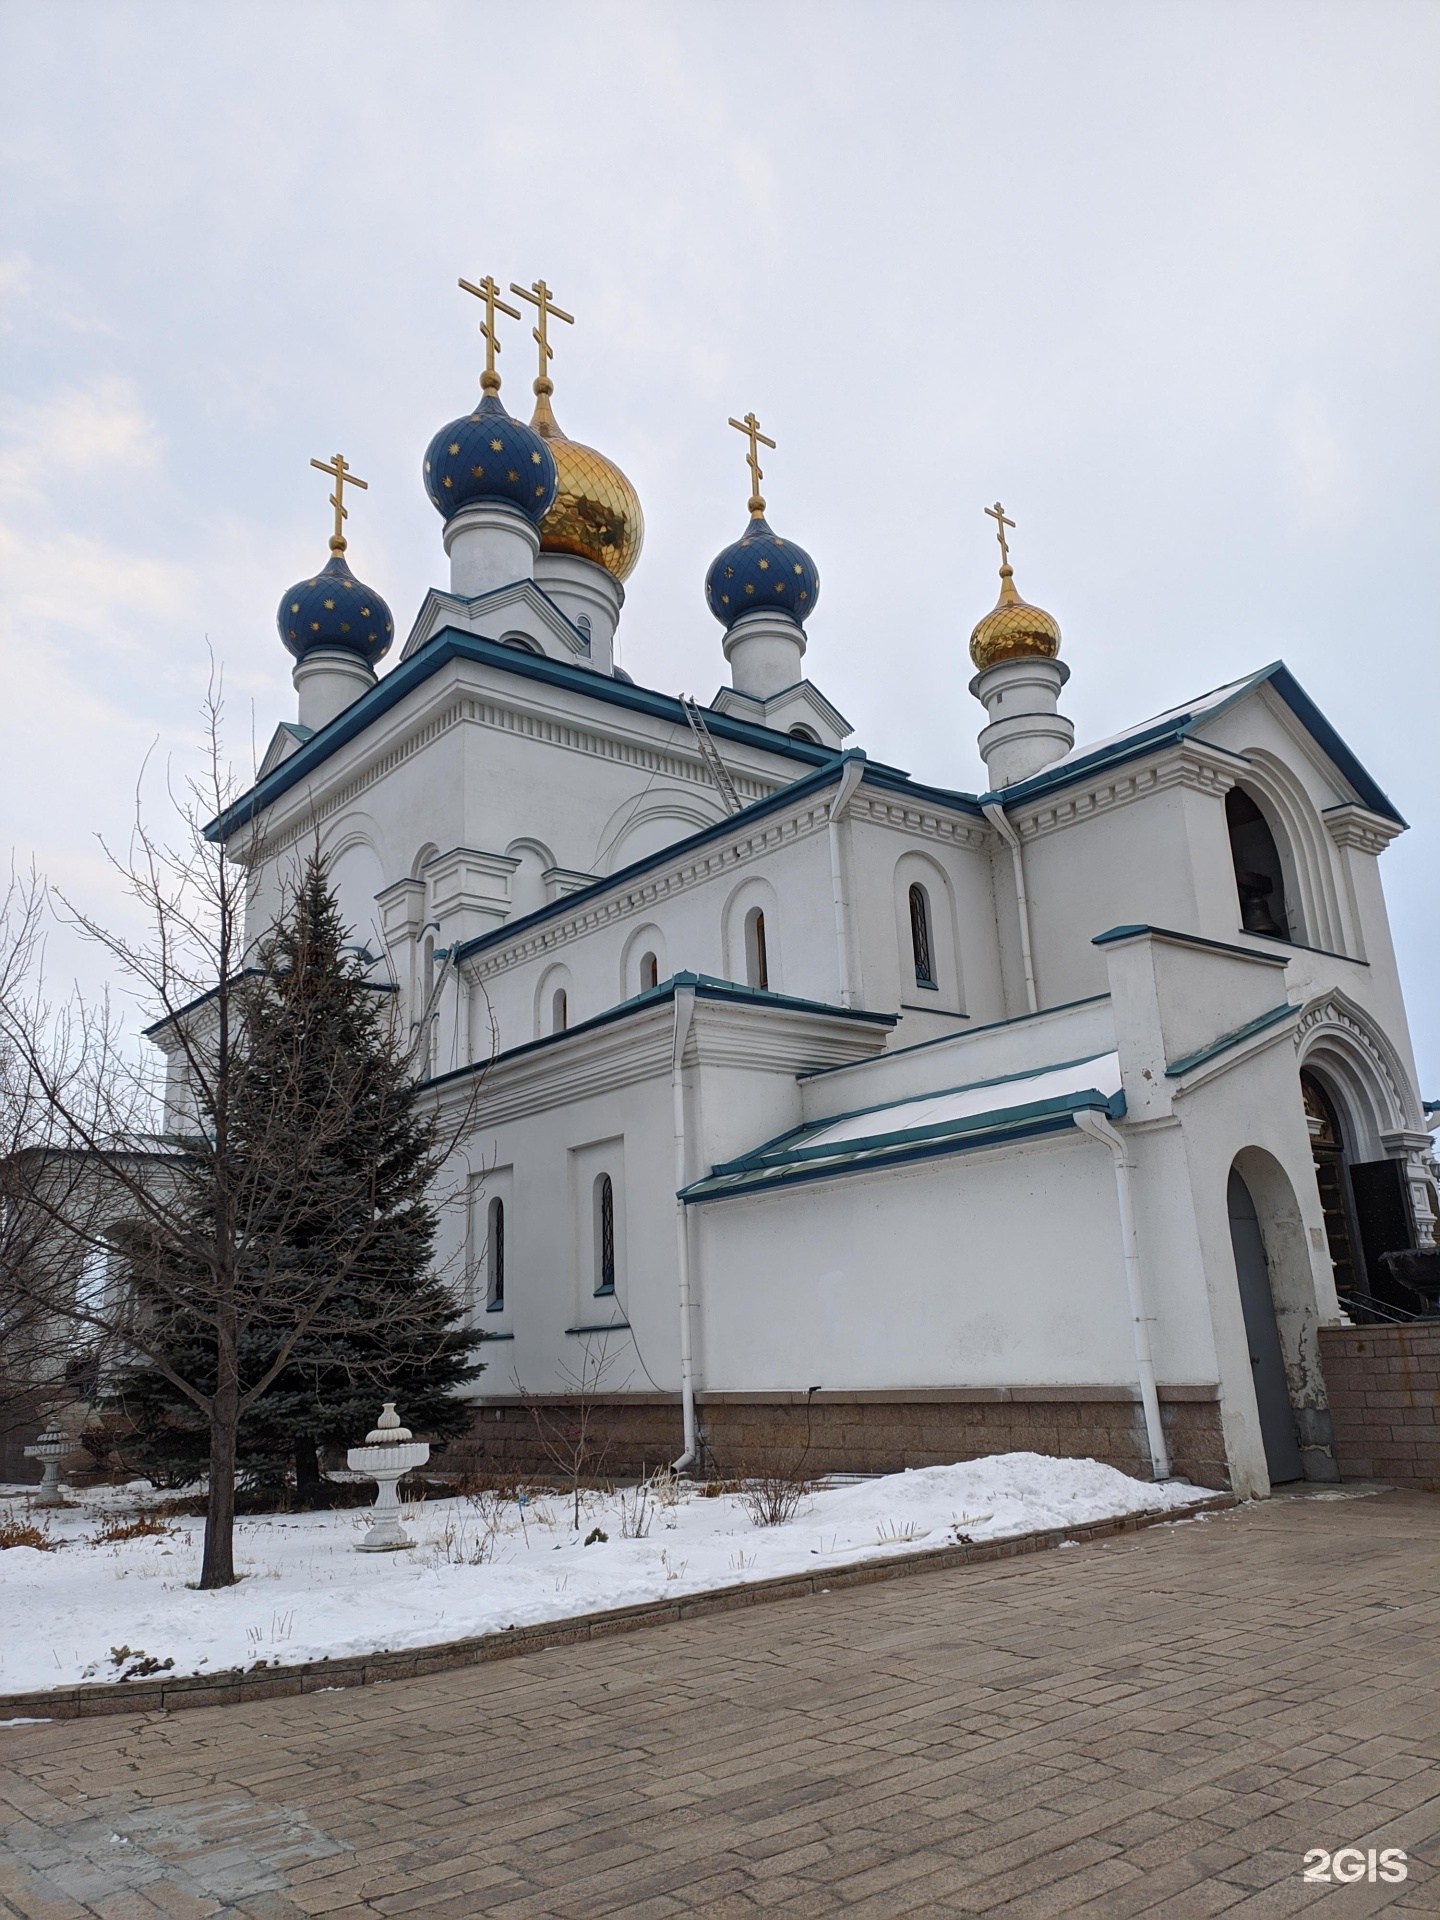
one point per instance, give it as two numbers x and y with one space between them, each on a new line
487 1333
948 1013
607 1326
1299 946
927 986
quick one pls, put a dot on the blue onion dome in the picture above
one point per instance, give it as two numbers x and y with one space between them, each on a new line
489 456
335 610
762 570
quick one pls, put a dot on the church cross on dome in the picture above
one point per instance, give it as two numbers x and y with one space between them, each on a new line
490 294
750 426
997 514
343 477
539 295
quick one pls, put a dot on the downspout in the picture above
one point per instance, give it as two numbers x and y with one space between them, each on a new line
1099 1128
850 778
995 814
684 1015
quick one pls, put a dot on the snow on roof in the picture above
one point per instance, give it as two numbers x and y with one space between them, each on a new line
948 1121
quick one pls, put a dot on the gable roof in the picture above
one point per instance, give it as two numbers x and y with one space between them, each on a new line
1179 723
451 644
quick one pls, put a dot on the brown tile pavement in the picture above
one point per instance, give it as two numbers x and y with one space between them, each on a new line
1159 1725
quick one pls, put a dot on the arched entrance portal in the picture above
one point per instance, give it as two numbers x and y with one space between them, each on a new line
1267 1359
1367 1210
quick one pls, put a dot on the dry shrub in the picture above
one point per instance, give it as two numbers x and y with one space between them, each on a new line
19 1533
135 1526
773 1496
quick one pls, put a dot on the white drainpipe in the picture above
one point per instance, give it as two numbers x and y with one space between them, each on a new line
850 779
1099 1128
684 1015
995 814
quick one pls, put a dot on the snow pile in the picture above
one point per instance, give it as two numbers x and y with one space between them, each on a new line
97 1610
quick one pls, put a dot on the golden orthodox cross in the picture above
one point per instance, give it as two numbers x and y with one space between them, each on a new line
343 477
997 514
539 295
750 426
490 294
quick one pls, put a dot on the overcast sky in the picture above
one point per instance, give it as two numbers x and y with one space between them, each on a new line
1162 277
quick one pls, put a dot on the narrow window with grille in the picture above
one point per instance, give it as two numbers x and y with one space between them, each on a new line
605 1234
920 937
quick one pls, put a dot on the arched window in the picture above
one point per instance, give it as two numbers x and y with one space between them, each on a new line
1259 876
920 936
757 965
583 623
559 1011
604 1234
649 972
495 1250
807 734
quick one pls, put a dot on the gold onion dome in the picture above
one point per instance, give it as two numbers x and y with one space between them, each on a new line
1014 630
596 512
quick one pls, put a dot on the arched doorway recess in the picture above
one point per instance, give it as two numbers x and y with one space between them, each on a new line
1366 1205
1262 1334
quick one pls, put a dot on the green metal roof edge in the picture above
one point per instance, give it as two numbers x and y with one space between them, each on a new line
1189 1062
1003 1126
1179 727
449 643
707 987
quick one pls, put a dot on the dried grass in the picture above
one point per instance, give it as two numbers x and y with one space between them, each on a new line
19 1533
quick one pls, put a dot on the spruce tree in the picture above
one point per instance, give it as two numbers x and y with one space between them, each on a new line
317 1033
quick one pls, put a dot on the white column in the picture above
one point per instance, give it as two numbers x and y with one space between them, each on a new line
327 681
766 651
490 545
1026 732
587 595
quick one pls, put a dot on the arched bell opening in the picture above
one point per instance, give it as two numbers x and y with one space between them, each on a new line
1259 869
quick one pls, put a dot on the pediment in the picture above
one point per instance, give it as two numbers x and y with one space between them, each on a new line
800 706
287 738
520 614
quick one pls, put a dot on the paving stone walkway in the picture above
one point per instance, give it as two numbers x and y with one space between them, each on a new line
1161 1724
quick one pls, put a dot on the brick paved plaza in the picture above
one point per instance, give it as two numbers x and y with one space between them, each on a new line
1162 1723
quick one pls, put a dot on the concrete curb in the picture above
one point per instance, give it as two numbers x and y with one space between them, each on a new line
242 1685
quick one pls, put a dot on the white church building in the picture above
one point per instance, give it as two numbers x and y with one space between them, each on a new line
822 1113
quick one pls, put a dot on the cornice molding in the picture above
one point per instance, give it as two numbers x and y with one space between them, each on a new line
928 823
1188 764
448 705
593 1063
643 894
1356 826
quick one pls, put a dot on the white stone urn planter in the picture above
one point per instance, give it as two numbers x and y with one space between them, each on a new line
50 1449
387 1456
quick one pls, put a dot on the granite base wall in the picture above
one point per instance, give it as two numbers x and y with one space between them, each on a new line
1383 1385
854 1432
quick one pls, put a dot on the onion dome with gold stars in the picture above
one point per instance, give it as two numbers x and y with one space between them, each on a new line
488 456
762 570
334 609
596 512
1013 629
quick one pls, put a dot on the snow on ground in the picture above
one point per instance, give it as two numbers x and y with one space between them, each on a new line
480 1564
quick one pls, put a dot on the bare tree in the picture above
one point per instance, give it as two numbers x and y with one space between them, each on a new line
200 1192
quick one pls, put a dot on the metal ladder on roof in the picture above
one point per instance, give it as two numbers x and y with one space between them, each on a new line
710 754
